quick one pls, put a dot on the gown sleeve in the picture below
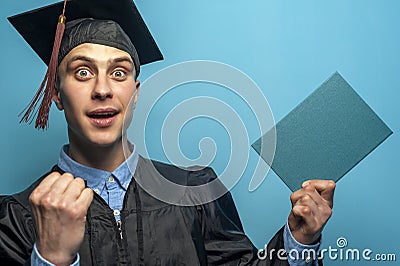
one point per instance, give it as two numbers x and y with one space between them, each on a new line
17 229
17 233
224 237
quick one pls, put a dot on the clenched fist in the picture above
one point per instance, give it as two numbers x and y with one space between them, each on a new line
311 209
59 205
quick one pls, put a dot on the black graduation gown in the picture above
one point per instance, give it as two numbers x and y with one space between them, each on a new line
152 232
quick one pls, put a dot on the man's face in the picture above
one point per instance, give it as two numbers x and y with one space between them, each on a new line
96 84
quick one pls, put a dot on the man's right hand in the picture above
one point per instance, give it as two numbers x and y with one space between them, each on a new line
59 205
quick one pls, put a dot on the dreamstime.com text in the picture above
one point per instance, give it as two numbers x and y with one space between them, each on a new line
339 253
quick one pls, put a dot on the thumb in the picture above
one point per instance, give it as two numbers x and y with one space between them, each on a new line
325 188
295 218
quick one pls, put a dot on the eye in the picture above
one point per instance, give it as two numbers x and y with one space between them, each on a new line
119 74
83 74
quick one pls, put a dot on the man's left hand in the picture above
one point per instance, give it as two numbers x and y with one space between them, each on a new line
311 209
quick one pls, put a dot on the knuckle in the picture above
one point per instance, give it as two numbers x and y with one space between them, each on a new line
54 174
74 212
292 197
78 212
79 182
328 212
297 211
70 209
309 188
306 198
68 176
39 190
62 205
90 192
331 185
48 200
33 197
306 210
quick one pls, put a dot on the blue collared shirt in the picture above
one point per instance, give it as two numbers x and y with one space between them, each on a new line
112 186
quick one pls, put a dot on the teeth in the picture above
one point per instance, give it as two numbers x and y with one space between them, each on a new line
102 114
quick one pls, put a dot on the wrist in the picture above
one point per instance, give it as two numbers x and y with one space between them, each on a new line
59 258
305 239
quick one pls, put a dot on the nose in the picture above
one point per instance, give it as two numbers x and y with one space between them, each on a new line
102 89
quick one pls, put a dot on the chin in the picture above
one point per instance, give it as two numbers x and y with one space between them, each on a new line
95 137
104 139
105 142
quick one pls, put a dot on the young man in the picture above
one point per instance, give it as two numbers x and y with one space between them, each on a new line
90 208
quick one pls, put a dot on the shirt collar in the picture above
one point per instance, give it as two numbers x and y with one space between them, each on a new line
96 178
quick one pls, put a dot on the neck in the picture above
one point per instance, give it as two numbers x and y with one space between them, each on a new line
107 157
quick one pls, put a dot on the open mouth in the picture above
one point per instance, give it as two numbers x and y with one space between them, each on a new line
102 117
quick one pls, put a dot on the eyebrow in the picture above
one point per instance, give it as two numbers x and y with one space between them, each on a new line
79 58
92 61
121 59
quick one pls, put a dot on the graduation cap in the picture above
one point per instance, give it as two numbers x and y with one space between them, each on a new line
325 136
115 23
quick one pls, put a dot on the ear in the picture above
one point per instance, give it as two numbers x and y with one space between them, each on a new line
137 85
57 99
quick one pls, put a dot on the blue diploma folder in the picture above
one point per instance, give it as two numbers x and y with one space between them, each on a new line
325 136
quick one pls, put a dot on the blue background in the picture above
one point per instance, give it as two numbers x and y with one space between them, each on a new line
288 48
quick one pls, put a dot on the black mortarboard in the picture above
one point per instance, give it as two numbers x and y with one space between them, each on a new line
38 27
325 136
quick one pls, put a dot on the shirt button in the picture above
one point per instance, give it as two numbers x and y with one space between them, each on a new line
111 179
116 212
97 190
308 260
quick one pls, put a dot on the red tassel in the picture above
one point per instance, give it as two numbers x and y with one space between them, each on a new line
47 88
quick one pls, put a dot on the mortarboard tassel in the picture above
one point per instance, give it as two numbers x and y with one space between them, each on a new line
47 88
